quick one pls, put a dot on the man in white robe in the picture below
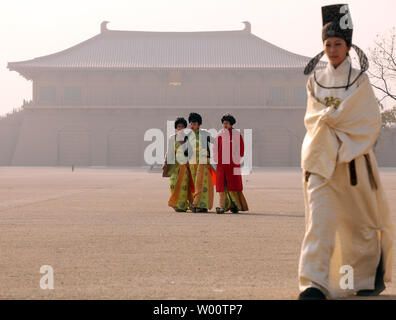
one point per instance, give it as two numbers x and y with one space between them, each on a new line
347 247
348 221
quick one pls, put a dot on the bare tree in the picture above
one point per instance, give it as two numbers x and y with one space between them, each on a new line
383 65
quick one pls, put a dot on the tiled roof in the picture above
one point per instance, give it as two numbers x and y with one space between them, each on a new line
142 49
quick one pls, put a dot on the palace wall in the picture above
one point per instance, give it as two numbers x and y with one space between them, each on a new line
102 136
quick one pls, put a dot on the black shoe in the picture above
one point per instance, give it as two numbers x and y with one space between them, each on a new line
202 210
180 210
379 283
194 209
312 294
234 210
219 210
371 293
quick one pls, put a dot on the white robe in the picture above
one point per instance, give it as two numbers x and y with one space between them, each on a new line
346 225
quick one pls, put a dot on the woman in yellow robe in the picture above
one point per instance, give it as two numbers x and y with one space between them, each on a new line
180 177
202 173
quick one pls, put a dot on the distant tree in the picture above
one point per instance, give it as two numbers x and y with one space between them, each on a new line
383 67
389 118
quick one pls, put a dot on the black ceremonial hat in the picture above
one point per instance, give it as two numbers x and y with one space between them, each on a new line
337 22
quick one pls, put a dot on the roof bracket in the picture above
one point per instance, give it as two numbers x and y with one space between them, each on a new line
248 26
103 26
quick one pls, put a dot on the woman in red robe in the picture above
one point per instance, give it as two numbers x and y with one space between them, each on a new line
228 151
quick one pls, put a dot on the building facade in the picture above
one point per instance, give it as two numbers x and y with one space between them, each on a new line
92 103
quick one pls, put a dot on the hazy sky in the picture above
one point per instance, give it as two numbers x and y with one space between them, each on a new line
30 29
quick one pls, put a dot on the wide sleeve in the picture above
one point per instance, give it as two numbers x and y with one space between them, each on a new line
358 111
342 134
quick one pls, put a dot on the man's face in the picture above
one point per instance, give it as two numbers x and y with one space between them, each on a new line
194 126
336 50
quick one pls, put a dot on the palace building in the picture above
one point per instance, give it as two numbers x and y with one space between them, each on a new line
92 103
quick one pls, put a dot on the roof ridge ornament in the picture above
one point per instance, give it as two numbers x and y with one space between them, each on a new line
103 26
248 26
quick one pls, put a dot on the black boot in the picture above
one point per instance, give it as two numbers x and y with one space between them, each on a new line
219 210
312 294
379 283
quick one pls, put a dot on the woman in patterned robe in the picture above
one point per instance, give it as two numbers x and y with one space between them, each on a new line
202 173
180 177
